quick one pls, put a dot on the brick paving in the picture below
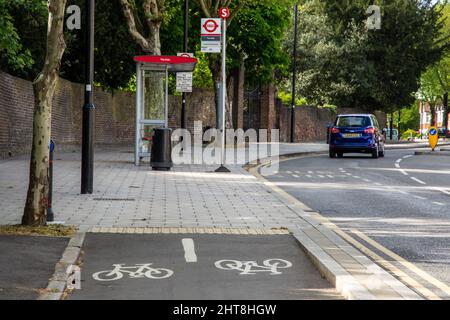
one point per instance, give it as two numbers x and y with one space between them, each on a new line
129 196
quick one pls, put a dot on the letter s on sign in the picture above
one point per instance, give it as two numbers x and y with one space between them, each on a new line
224 13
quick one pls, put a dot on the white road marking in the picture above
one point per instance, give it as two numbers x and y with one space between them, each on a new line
189 250
419 197
310 172
404 172
439 203
298 172
356 177
366 180
417 180
398 161
330 176
349 174
309 176
408 156
295 176
442 190
378 184
397 165
289 172
320 176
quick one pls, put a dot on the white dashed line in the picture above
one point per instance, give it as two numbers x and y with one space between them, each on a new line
356 177
366 180
408 156
419 197
330 176
189 250
289 172
349 174
295 176
320 176
309 176
417 180
439 203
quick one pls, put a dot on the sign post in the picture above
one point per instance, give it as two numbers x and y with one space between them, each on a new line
211 35
224 14
433 137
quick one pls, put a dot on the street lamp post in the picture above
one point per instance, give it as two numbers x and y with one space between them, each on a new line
185 48
87 148
294 71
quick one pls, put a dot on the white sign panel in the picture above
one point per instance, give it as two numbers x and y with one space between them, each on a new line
184 79
211 34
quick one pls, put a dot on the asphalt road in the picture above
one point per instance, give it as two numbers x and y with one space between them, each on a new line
401 201
27 263
200 267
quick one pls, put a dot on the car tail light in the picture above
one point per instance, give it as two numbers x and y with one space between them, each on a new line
334 130
369 131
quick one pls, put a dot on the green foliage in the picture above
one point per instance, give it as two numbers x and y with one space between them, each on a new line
342 63
286 98
410 133
410 117
435 81
257 33
22 50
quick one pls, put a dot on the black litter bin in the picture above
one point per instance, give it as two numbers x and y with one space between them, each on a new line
161 155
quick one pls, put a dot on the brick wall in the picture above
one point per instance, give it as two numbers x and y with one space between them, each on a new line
311 122
114 114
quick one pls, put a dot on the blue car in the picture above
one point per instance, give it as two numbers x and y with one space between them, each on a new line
356 133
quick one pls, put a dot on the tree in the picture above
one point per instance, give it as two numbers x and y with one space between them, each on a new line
22 48
35 211
250 16
343 63
153 15
435 81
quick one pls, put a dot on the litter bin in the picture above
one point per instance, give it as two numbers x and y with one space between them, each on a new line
161 155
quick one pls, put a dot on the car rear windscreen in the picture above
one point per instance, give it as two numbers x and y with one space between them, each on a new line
353 121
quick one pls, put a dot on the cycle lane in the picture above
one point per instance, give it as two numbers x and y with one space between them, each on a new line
197 267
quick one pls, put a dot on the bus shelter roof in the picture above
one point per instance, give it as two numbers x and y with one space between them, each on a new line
172 63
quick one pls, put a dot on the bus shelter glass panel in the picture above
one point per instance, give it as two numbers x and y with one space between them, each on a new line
152 111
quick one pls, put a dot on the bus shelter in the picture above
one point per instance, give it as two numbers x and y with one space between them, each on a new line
152 96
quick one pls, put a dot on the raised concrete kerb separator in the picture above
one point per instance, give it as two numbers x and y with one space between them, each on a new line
353 274
58 283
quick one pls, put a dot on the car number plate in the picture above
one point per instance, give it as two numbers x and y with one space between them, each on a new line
351 135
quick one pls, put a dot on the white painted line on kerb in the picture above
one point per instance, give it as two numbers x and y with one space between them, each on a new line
417 180
189 250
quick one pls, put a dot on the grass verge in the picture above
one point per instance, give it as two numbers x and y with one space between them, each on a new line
55 230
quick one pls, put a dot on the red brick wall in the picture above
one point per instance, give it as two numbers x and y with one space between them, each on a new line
311 122
114 114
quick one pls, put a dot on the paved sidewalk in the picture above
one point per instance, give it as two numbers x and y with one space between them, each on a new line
131 199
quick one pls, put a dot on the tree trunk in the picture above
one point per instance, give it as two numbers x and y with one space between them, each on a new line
35 212
433 114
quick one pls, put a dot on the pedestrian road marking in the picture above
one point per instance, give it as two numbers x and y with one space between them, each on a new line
189 250
417 180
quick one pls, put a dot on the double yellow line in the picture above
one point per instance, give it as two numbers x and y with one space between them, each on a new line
397 272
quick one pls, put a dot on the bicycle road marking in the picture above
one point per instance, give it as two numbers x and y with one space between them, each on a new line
189 250
252 267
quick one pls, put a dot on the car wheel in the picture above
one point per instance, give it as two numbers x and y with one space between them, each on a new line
381 152
375 153
340 155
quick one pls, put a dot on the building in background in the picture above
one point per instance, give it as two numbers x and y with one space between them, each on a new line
425 117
